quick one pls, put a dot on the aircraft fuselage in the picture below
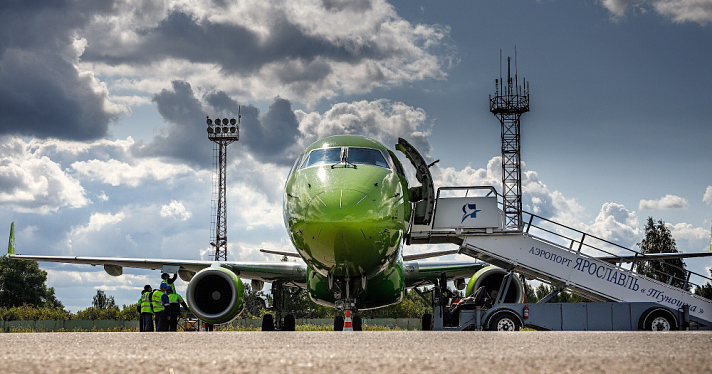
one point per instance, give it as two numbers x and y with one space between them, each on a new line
346 209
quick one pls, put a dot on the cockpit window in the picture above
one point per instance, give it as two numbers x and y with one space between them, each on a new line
367 156
323 156
350 155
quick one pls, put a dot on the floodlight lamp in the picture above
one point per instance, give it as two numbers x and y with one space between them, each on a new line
233 121
225 130
217 121
217 130
225 121
210 130
233 129
209 121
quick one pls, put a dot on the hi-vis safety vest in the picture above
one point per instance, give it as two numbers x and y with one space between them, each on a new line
174 298
146 303
157 302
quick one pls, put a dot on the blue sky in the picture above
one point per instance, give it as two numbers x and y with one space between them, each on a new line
103 149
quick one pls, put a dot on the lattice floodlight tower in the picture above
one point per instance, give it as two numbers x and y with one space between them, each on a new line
221 132
510 101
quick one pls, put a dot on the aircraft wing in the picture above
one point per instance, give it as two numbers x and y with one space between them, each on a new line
423 273
653 256
264 271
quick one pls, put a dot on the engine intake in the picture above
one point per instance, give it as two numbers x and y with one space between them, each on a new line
491 278
215 295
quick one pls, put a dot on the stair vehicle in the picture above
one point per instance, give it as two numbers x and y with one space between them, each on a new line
566 258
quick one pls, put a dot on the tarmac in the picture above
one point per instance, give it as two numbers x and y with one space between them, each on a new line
357 352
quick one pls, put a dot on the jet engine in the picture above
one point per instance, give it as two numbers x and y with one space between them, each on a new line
491 278
215 295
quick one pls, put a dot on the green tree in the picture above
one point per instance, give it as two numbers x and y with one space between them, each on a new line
101 301
254 303
23 283
705 290
658 239
412 306
563 297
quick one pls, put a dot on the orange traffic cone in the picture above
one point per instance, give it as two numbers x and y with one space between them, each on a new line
348 326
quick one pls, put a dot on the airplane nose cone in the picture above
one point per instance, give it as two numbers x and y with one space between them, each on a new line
341 206
344 232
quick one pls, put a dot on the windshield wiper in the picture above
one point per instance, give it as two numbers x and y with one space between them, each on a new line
344 159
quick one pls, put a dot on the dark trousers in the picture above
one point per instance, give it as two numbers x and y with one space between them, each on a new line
147 322
162 321
175 313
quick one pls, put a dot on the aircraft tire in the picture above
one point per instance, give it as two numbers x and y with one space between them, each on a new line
267 322
357 323
290 323
339 323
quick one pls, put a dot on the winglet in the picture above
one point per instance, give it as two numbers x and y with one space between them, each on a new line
11 242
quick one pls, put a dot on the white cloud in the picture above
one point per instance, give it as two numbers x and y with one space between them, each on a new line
616 224
680 11
176 211
382 120
135 173
707 198
302 50
537 198
96 222
687 231
32 183
668 202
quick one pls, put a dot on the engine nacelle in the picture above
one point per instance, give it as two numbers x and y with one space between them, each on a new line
491 278
215 295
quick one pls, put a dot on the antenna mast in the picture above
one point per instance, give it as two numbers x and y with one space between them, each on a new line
510 101
221 132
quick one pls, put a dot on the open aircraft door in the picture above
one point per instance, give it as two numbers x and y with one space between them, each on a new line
424 195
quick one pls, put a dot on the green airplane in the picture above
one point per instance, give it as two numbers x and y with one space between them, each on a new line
348 209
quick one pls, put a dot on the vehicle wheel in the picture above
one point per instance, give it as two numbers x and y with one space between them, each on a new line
504 322
267 323
357 323
658 319
339 323
426 322
290 324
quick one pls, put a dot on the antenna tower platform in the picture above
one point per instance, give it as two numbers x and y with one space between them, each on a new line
510 101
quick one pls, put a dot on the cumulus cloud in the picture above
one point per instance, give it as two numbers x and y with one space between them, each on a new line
617 224
668 202
306 49
707 198
31 183
536 196
44 92
139 171
680 11
175 210
383 120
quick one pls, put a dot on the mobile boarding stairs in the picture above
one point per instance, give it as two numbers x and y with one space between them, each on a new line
553 253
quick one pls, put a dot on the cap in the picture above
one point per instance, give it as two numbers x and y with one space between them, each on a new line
163 285
169 288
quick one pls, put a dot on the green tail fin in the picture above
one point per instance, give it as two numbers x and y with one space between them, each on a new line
11 243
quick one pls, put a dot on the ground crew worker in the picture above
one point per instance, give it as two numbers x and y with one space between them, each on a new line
146 309
175 303
138 309
160 303
168 280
